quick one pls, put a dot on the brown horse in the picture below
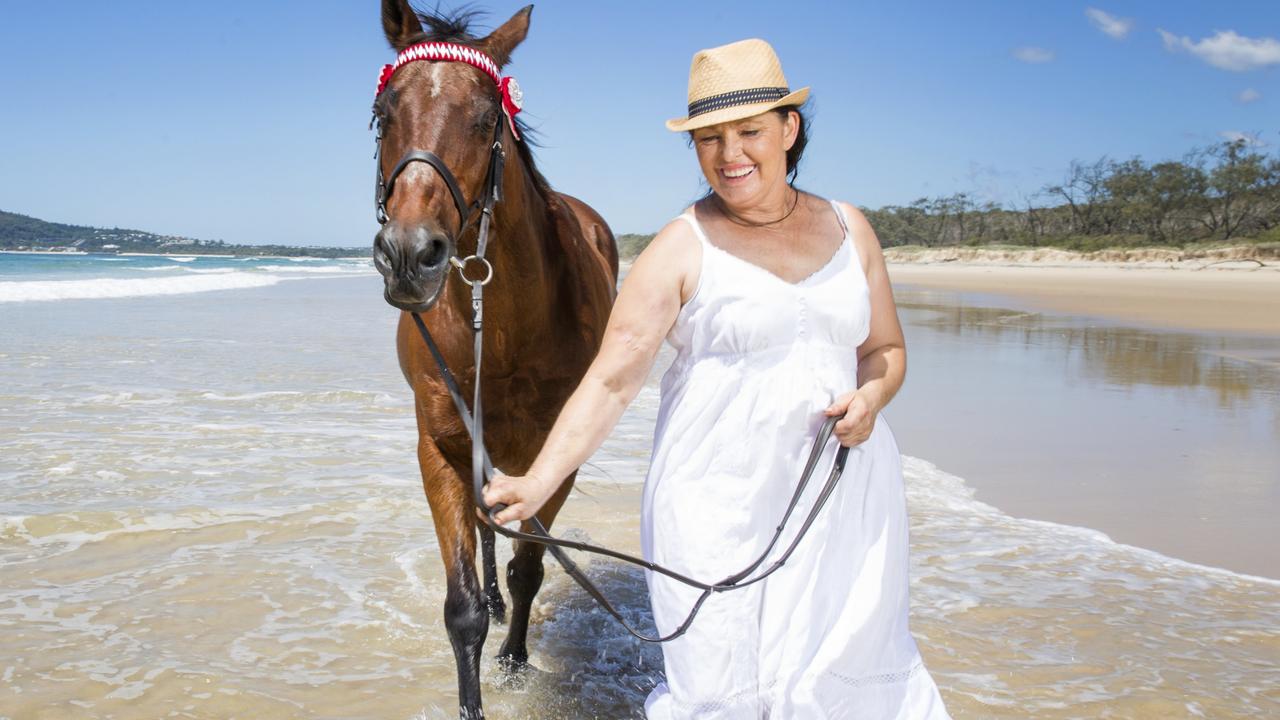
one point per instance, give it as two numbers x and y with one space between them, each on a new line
555 268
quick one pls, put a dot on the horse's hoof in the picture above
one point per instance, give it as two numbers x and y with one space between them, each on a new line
513 664
497 610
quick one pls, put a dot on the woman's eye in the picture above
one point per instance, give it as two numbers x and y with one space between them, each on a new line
708 139
750 133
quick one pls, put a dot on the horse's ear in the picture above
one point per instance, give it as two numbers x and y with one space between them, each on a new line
502 41
400 23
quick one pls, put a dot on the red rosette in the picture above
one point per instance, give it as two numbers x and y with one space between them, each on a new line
383 77
512 101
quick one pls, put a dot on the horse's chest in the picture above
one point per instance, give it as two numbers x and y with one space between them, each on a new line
519 410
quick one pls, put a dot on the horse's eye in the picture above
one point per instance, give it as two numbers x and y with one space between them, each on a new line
488 119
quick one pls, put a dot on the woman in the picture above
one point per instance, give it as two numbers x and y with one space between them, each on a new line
762 290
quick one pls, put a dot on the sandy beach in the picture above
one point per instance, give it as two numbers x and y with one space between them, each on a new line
1238 299
1140 401
206 517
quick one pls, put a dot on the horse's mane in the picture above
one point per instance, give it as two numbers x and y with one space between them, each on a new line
455 26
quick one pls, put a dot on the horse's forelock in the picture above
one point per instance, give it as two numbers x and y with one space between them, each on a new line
454 26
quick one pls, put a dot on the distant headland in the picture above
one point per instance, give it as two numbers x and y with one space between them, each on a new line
22 233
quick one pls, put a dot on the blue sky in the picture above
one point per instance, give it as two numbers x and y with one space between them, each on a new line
246 121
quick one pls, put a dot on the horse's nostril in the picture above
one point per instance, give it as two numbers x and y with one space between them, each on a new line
434 254
383 253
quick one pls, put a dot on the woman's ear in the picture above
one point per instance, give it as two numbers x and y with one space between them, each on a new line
790 129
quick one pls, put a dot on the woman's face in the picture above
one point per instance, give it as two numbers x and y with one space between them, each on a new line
745 161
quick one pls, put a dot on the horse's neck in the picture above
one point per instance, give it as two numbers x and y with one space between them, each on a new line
522 247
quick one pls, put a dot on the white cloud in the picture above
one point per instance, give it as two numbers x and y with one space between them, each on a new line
1248 95
1108 23
1227 50
1033 54
1249 138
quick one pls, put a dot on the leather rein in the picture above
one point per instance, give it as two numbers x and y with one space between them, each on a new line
473 418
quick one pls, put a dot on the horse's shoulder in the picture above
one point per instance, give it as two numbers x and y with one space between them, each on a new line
577 217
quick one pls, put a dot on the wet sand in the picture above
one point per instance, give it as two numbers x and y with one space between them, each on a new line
212 510
1112 400
1216 300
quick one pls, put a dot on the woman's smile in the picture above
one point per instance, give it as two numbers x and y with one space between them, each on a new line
736 174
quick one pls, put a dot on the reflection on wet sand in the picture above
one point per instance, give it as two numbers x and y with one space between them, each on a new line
1160 438
1237 369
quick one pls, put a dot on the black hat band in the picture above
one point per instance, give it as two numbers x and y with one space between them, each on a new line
750 96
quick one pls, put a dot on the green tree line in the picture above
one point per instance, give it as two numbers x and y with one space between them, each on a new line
1225 192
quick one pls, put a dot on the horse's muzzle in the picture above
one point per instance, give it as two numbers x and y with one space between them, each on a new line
414 263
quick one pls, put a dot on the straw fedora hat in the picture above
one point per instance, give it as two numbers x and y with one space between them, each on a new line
735 81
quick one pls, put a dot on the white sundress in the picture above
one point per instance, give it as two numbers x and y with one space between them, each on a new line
826 637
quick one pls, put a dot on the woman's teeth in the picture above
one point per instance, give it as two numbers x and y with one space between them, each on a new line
739 172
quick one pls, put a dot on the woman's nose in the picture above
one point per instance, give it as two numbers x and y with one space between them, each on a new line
730 148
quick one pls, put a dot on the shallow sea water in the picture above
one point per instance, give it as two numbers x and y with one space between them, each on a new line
210 508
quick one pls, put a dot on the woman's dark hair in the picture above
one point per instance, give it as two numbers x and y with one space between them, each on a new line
802 138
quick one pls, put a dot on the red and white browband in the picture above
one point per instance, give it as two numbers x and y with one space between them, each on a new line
512 97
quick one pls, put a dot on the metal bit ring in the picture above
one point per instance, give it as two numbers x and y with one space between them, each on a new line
462 269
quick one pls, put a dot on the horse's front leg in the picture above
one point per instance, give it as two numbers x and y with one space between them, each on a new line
492 593
465 616
524 578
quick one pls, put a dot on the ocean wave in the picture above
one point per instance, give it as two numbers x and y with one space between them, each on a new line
97 288
272 268
940 499
326 270
937 496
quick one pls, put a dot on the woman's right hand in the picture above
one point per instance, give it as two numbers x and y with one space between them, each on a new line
523 495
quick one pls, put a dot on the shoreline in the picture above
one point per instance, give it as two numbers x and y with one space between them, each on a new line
1215 300
79 253
1250 256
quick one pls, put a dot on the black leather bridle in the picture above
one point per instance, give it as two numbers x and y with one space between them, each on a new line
492 185
473 418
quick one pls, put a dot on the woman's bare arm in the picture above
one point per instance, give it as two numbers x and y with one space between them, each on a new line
882 357
646 308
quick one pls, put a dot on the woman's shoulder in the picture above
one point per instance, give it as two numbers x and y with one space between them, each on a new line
862 235
674 251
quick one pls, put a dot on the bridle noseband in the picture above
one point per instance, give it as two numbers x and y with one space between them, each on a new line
492 186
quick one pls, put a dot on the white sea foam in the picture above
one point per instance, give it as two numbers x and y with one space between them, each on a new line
325 270
95 288
933 490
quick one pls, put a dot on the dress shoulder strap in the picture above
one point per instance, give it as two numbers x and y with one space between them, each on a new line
848 237
844 221
697 227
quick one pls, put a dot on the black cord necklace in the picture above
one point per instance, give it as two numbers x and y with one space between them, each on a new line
738 220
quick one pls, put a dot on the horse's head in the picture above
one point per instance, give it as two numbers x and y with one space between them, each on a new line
435 118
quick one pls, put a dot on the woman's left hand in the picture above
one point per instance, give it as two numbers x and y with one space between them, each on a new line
858 421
